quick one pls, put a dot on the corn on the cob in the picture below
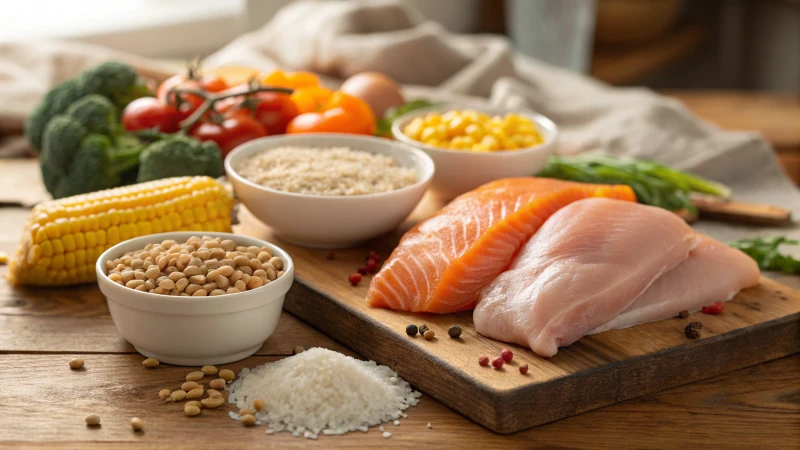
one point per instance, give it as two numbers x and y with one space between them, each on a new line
63 238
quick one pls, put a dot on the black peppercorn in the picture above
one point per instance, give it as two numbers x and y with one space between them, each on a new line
411 330
454 331
693 330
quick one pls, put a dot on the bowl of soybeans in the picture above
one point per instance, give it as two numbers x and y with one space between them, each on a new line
189 298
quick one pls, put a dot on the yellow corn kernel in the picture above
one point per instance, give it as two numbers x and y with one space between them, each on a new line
47 248
475 131
66 236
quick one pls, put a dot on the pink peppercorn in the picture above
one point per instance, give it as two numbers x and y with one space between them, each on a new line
483 360
523 369
497 363
507 355
354 279
714 308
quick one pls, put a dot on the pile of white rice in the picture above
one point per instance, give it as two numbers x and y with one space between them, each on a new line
325 171
322 391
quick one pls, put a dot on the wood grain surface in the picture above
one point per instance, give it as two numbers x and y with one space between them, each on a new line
42 402
760 324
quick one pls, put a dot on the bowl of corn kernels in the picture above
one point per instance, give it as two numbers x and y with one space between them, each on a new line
472 146
193 299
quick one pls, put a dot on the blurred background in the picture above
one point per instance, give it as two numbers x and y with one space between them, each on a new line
730 44
735 63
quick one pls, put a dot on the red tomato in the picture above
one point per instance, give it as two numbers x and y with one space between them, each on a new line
149 112
272 109
231 133
189 103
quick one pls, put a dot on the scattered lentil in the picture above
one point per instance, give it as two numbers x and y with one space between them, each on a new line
523 369
483 360
189 385
454 331
178 395
164 393
195 393
191 410
226 374
137 424
429 334
498 362
150 363
212 402
248 420
92 420
298 349
683 314
692 330
76 363
218 383
214 392
194 376
258 404
411 330
507 355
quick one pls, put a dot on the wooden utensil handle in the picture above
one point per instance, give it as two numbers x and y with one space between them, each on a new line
733 211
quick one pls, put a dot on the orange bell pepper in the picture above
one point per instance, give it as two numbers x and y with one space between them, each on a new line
291 80
325 111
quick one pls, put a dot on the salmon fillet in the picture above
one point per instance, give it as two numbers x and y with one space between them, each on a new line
441 264
713 272
587 264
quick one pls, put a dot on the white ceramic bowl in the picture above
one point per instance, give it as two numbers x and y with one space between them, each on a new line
459 171
194 331
326 221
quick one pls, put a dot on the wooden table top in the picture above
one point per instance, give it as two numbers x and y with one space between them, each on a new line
43 402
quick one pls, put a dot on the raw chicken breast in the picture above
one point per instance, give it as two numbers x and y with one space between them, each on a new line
441 264
585 265
712 272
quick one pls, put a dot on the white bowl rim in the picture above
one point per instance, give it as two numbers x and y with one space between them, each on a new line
539 119
429 167
100 268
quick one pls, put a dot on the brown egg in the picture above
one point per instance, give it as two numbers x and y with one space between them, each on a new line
379 91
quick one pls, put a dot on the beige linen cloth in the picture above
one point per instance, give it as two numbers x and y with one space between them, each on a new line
339 39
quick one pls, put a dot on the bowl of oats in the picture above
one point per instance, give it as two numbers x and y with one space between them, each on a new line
329 190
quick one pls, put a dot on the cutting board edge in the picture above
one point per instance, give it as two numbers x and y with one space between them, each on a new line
498 410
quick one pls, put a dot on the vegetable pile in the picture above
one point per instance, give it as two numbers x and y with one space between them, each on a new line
106 128
653 183
84 147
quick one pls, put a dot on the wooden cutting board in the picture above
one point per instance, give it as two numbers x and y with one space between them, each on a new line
760 324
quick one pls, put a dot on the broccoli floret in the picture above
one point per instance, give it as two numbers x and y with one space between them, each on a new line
177 156
75 160
97 114
116 81
54 102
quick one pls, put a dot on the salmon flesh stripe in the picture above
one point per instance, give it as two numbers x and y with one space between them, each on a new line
441 264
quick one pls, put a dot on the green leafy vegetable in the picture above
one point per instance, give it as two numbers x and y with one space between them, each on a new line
116 81
384 125
653 183
764 250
